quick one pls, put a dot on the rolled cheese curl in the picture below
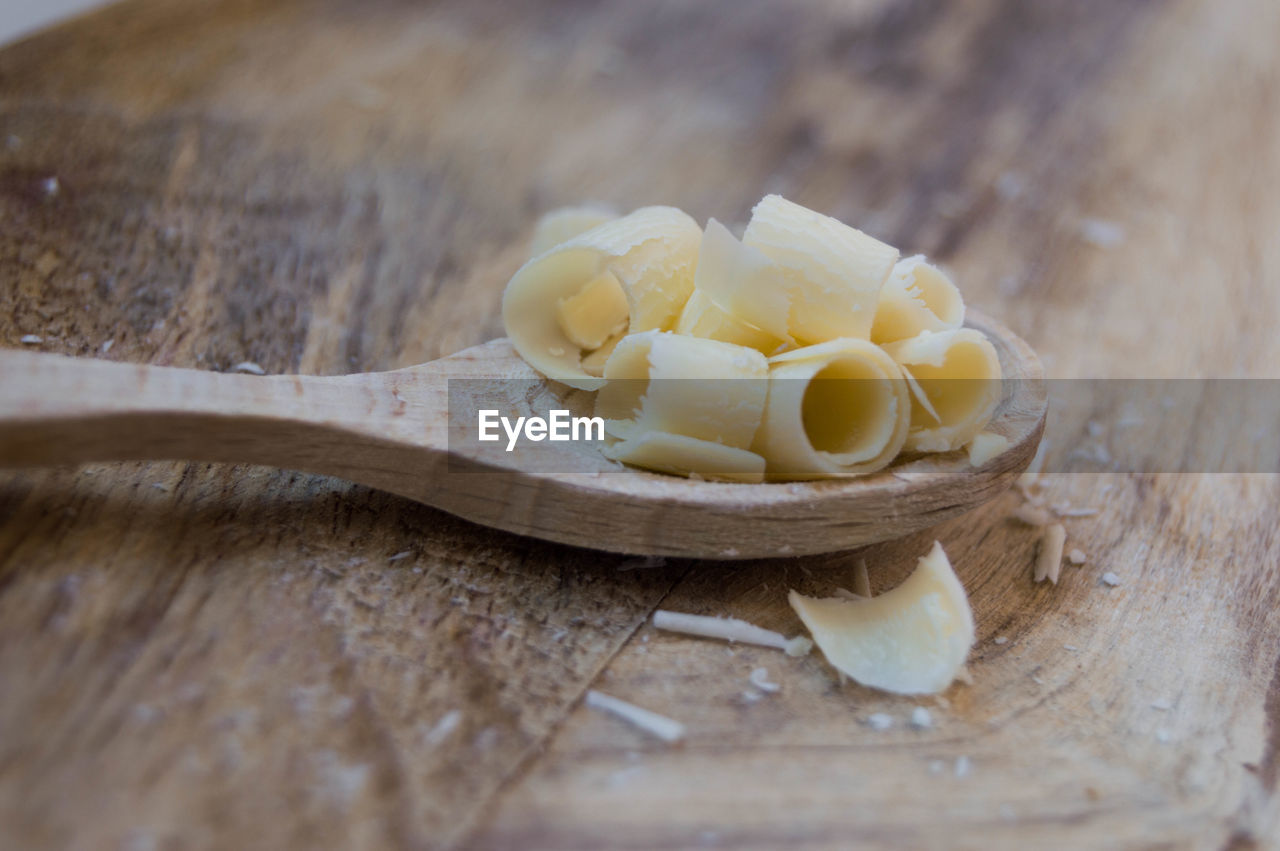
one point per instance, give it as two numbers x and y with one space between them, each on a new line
664 382
682 455
834 272
742 282
593 362
702 318
650 254
564 223
956 386
918 296
840 408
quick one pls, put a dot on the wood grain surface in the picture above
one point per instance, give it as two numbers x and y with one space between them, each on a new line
194 655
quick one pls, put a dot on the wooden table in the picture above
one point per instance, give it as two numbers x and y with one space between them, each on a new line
201 656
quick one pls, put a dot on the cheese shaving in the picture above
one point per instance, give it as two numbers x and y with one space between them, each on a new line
879 721
861 579
1064 510
911 640
561 225
1049 561
760 679
1032 473
667 729
729 629
985 446
1032 515
921 719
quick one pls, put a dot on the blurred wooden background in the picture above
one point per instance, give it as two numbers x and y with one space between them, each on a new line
196 656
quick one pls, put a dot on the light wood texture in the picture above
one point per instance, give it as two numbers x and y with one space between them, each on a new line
394 431
234 659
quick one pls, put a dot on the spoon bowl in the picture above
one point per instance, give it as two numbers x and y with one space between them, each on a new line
391 431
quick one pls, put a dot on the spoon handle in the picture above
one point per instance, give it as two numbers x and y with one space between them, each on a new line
62 410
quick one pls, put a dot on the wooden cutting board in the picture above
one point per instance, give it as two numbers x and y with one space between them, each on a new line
197 656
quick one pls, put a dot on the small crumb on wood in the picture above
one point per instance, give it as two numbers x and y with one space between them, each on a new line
1164 737
1063 510
249 367
442 728
1162 705
1049 560
1111 579
879 721
51 186
1101 233
921 719
400 555
106 347
1076 556
30 339
1071 648
760 679
1009 185
1000 639
798 646
667 729
963 766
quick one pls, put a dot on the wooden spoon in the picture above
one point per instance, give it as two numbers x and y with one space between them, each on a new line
390 430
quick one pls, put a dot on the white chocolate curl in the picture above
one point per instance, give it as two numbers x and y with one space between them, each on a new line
835 409
650 254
